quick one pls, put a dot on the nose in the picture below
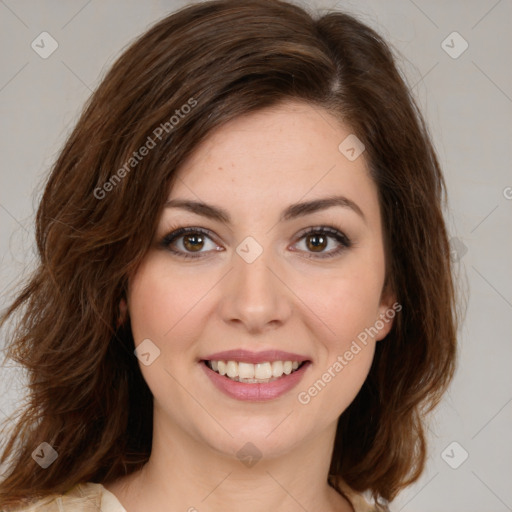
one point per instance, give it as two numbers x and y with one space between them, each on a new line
256 297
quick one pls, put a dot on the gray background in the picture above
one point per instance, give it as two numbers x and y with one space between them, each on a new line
467 102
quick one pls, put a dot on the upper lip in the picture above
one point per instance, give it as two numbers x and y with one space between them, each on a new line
246 356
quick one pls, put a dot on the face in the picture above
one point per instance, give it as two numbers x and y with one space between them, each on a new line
265 280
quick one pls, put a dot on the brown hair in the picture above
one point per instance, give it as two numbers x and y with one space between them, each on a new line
95 222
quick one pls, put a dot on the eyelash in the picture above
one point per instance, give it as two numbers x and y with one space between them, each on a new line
331 232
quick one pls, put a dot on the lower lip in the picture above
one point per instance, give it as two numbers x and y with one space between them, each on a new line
256 392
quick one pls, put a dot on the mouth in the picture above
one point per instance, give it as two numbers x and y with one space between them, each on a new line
255 377
254 373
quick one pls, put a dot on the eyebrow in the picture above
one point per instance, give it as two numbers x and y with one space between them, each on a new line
293 211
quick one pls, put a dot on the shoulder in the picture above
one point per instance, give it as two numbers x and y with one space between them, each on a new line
83 497
358 501
91 497
361 505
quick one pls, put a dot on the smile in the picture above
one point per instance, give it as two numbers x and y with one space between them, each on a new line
253 373
235 383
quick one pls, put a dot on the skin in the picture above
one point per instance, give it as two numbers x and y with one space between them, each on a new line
254 167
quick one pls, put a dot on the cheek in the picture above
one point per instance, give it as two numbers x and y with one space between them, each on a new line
347 301
147 305
348 312
162 301
165 306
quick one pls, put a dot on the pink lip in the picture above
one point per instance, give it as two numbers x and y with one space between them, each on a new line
255 357
255 392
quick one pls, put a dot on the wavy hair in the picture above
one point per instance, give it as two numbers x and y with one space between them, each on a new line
188 74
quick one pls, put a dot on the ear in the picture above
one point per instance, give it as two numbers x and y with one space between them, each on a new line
123 310
388 309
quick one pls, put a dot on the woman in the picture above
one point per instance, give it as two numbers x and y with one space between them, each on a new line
245 296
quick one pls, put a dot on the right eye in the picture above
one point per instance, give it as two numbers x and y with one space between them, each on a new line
192 241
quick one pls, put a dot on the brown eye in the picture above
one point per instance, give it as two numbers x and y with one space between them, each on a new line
189 242
316 242
193 243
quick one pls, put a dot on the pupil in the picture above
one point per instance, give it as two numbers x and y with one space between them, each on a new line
197 241
317 245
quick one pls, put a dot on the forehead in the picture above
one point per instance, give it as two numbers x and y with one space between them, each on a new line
283 153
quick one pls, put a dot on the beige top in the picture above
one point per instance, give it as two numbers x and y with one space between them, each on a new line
92 497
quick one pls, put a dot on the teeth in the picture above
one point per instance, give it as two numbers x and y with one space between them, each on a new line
248 372
277 368
245 370
232 369
221 365
262 371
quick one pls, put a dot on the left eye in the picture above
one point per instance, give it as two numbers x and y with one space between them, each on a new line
317 239
189 242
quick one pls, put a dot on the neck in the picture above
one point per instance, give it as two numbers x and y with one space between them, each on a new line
184 474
